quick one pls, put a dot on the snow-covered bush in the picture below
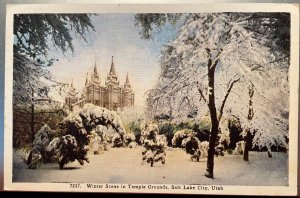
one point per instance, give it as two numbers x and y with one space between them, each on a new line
77 128
162 141
117 140
219 150
153 143
184 141
239 148
235 130
167 129
70 151
148 131
53 149
81 122
224 134
128 138
135 128
204 149
197 149
132 145
192 146
132 118
96 144
179 136
38 153
104 133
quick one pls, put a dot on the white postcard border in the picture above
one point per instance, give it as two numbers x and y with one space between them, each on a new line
126 8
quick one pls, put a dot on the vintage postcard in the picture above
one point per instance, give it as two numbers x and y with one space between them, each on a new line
152 98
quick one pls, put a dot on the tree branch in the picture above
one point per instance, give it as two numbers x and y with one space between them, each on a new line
21 42
245 18
260 94
209 62
278 59
257 67
225 98
216 60
202 95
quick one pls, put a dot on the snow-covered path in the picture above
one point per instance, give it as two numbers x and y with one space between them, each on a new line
123 165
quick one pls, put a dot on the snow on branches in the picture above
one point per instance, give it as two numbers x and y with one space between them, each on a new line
153 143
34 37
228 45
38 153
77 130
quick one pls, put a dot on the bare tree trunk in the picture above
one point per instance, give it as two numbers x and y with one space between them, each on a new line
269 151
269 154
32 120
250 116
247 146
214 120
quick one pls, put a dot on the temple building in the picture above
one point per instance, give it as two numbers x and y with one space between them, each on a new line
111 95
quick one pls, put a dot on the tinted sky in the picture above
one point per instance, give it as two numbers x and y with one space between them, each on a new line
115 35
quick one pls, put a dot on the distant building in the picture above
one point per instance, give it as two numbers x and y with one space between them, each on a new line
112 95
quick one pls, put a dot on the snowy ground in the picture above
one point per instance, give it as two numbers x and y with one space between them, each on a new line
123 165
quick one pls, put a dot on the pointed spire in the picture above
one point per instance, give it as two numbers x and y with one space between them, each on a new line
87 79
71 91
112 67
92 77
127 80
127 83
95 69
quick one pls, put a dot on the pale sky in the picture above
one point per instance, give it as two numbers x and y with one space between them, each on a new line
115 35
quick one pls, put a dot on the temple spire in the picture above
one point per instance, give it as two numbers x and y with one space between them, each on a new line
95 70
127 83
87 79
127 80
92 78
71 91
112 67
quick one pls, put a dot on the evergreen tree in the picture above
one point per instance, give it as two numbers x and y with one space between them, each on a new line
34 36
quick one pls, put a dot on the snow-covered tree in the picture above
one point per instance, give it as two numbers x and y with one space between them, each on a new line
263 112
34 36
154 145
132 118
131 114
211 54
